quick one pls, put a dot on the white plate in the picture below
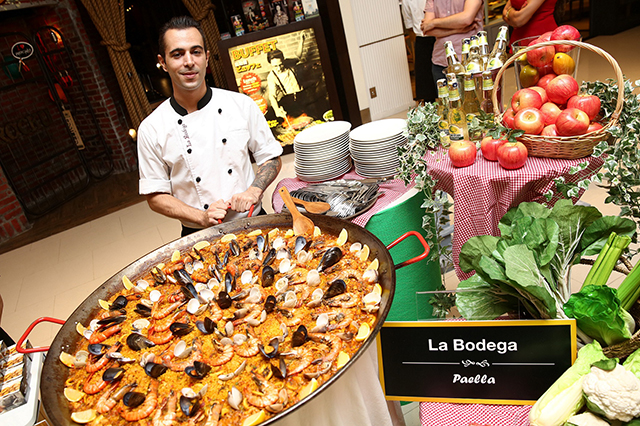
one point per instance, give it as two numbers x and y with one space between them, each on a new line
323 132
377 130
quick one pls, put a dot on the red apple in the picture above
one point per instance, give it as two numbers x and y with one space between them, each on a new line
572 122
565 32
546 36
545 79
561 88
550 130
525 98
547 69
530 120
587 103
541 56
489 147
512 155
593 127
509 118
550 112
462 153
542 92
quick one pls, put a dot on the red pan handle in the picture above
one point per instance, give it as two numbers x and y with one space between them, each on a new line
22 350
415 259
253 206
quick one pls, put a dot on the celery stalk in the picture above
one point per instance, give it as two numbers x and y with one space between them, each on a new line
605 249
629 289
603 273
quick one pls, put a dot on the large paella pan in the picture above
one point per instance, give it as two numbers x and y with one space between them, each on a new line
55 376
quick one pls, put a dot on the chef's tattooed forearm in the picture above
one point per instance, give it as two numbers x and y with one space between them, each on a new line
266 173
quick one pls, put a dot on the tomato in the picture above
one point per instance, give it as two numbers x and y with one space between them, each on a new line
512 155
462 153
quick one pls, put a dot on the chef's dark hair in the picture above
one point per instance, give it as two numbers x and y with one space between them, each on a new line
275 54
179 23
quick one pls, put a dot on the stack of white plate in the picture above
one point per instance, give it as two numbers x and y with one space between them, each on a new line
321 152
373 147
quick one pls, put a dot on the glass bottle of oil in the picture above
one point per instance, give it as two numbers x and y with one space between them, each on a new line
443 111
487 88
499 53
474 61
466 42
457 119
484 48
471 106
454 65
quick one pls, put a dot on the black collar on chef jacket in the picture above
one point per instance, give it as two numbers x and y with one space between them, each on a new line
201 103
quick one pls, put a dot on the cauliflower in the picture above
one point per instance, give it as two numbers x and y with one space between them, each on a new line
586 419
614 393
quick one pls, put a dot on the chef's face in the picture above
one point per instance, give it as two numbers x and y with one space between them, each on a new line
277 64
185 59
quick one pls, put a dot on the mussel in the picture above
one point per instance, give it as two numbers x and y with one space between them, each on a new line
189 406
182 277
271 351
301 244
113 373
270 303
97 349
280 370
189 291
154 370
109 321
223 300
142 310
206 326
234 248
180 328
225 258
262 242
119 303
268 276
198 370
138 342
330 257
158 275
133 399
269 258
299 336
215 272
336 288
229 282
198 255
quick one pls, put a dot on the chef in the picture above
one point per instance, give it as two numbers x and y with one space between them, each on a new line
193 150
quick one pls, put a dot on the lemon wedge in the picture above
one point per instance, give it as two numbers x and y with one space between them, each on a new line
255 418
201 244
343 358
289 233
316 231
377 289
160 265
85 416
272 234
68 359
342 238
255 233
227 237
175 256
104 304
81 329
308 388
363 332
127 282
73 395
374 264
364 253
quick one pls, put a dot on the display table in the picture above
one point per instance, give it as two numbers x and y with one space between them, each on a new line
27 414
483 192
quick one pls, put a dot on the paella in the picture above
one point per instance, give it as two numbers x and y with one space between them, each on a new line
231 331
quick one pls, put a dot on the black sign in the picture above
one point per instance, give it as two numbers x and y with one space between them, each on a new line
500 362
21 50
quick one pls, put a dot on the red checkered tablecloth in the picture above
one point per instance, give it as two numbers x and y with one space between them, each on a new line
484 191
390 191
439 414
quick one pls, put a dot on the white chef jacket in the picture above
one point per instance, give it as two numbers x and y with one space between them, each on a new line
203 157
413 14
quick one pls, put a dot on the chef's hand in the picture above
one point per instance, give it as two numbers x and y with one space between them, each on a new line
216 211
243 201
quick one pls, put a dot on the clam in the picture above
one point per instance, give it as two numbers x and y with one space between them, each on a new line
189 406
316 298
228 329
282 285
285 266
180 328
270 304
372 298
133 399
189 393
194 307
285 332
290 300
197 265
141 324
146 358
181 350
81 358
239 339
330 257
321 324
370 276
355 247
154 370
234 398
223 300
225 341
246 277
113 373
301 244
268 275
299 336
278 243
200 286
198 370
255 295
206 295
154 296
137 342
206 326
283 253
254 322
336 288
313 277
141 285
255 254
269 257
213 284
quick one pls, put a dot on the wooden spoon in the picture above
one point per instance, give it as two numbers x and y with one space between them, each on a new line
315 207
301 224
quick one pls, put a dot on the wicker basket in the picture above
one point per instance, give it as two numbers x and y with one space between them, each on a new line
566 147
626 348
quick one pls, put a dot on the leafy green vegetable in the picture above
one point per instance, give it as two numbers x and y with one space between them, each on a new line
598 313
632 363
629 289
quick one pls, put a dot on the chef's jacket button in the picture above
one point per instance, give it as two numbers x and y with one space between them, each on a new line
224 140
198 179
219 110
206 206
229 171
189 151
179 121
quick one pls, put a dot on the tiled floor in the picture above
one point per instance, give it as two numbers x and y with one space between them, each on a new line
52 276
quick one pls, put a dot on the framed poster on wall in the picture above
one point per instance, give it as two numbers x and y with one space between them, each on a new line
286 71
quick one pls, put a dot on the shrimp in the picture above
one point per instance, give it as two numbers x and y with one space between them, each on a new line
344 318
304 360
287 318
159 338
157 313
92 388
214 414
253 314
223 358
164 325
248 348
109 399
216 312
345 300
332 341
101 336
170 416
104 360
196 355
267 395
148 406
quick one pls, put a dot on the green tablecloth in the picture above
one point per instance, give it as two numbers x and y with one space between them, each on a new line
390 224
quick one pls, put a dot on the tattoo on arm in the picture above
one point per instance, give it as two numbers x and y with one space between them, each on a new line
266 173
